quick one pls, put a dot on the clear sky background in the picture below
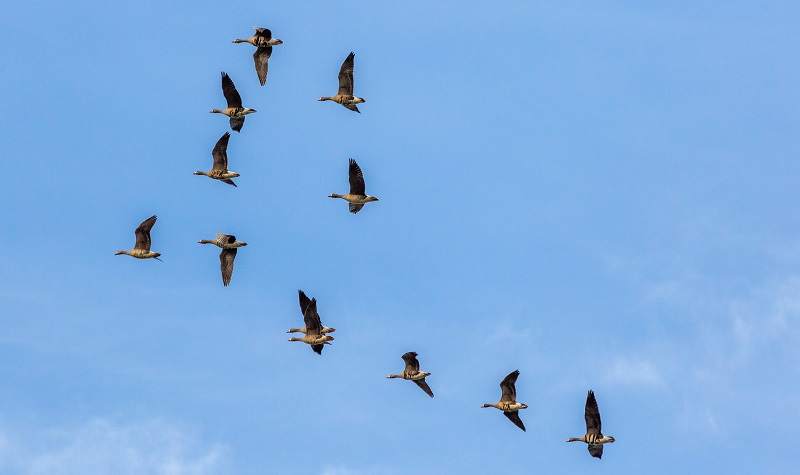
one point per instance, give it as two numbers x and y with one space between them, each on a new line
602 195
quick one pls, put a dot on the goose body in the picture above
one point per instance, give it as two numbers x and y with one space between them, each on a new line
313 329
220 169
234 110
412 373
594 436
141 250
357 196
508 401
229 244
263 41
345 95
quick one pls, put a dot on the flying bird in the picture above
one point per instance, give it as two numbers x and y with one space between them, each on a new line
304 302
234 110
594 435
263 41
508 401
313 334
229 244
412 373
141 250
220 169
357 196
345 95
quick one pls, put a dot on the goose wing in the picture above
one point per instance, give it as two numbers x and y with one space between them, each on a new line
229 91
357 185
317 348
346 76
513 416
352 107
354 208
412 363
424 386
228 181
223 239
596 450
261 59
510 391
263 32
311 319
143 233
220 152
592 415
237 123
304 301
226 258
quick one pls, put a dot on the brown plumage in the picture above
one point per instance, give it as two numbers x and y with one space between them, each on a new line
508 401
594 435
141 250
357 196
229 244
219 171
313 326
234 110
412 372
263 41
345 95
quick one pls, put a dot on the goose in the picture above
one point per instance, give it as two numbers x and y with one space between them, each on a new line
228 244
263 41
141 250
508 401
345 95
234 110
220 169
357 197
412 373
313 336
594 435
304 301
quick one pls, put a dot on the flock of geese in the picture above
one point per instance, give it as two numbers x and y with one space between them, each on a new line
314 333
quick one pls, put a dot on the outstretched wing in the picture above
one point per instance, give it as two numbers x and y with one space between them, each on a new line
513 416
346 76
317 349
412 364
229 91
357 185
304 302
596 450
592 415
237 123
226 258
352 107
261 58
220 152
509 389
311 319
143 233
354 208
424 386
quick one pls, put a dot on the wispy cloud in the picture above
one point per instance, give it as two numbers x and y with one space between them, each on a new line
628 371
105 447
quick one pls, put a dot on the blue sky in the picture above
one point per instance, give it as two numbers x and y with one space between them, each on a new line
602 195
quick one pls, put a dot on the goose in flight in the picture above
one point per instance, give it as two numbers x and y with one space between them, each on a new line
141 250
345 95
508 401
263 41
304 302
220 169
234 110
594 436
229 244
412 373
313 336
357 196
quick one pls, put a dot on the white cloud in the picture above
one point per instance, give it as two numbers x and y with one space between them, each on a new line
623 370
104 447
